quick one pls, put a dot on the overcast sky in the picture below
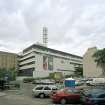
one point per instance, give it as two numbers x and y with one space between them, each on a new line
73 25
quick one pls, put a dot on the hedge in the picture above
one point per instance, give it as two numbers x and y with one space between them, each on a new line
26 80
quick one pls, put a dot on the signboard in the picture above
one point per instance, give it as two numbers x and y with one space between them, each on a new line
47 62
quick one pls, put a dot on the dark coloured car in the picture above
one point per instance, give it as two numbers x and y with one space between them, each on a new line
66 96
94 97
2 82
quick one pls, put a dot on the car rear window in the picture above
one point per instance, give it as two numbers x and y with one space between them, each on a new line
54 88
101 96
47 88
76 91
39 88
68 91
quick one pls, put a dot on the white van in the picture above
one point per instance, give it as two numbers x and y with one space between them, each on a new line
96 81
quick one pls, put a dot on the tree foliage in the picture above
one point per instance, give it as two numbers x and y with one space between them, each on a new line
11 74
99 58
78 71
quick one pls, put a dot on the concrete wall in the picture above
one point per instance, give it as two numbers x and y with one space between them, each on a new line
41 73
90 68
59 65
63 65
8 60
38 62
61 62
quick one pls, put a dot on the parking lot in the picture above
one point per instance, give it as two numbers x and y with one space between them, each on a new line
13 99
23 96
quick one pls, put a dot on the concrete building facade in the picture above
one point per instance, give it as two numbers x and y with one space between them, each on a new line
39 61
90 68
8 60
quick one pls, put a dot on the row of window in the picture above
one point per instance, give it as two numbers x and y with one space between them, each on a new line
27 54
75 60
60 53
26 72
59 57
26 64
53 56
27 58
75 64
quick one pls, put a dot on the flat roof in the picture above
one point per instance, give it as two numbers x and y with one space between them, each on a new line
4 52
50 49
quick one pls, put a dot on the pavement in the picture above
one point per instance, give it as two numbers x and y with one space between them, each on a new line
2 94
23 96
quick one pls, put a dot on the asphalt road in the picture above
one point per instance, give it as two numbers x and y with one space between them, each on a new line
23 96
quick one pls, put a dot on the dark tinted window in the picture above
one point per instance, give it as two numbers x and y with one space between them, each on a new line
101 96
39 88
54 89
47 88
26 72
89 95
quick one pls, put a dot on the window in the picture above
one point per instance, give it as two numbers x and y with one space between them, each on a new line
54 89
50 63
76 91
102 96
26 64
47 88
90 95
27 58
26 72
67 91
39 88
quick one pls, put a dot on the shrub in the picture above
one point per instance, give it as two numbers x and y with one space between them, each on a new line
8 73
17 85
27 80
45 78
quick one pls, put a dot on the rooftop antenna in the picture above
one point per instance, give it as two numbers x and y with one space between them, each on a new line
45 38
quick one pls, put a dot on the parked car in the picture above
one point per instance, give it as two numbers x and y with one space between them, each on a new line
45 81
2 84
36 82
94 97
79 82
89 82
43 90
96 81
67 95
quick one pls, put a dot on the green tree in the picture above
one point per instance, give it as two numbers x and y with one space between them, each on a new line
11 73
78 71
2 73
99 58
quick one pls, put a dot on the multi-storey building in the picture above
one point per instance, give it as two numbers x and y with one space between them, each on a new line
39 61
90 68
8 61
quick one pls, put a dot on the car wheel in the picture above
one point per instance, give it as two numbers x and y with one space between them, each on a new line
42 95
63 101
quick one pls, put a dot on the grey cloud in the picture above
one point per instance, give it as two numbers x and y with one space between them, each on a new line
72 24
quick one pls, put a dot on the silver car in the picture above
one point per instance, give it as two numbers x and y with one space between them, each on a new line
43 90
